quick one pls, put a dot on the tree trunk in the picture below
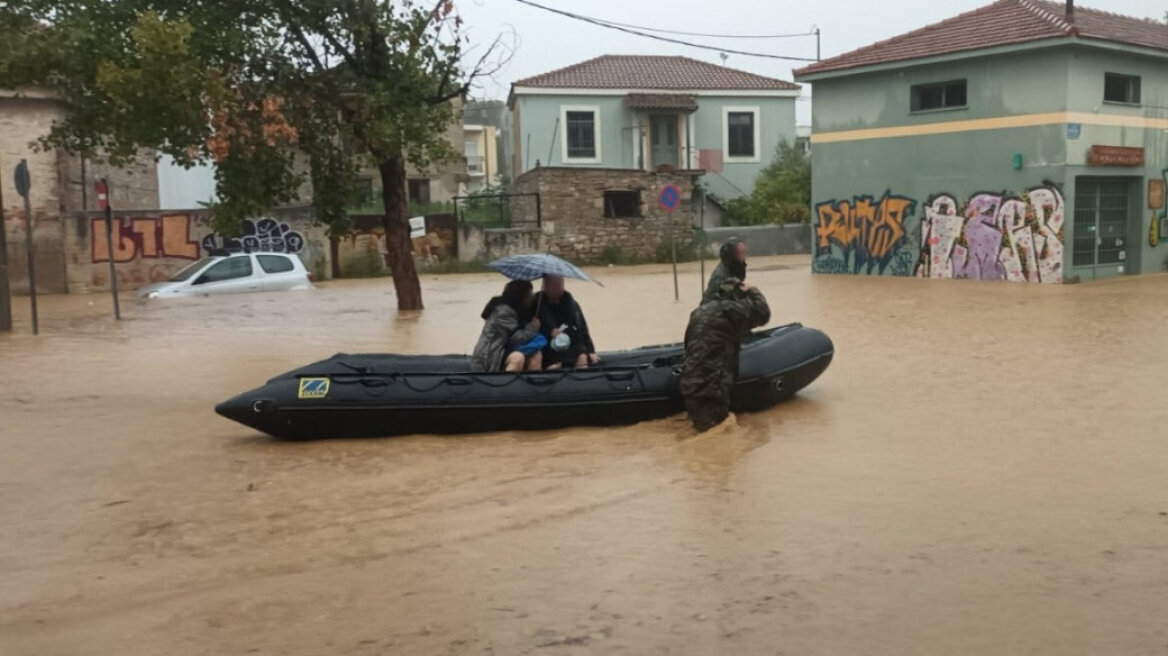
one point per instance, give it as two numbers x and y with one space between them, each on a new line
398 247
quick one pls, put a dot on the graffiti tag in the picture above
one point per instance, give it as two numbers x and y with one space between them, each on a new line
145 237
1157 190
867 231
994 237
260 235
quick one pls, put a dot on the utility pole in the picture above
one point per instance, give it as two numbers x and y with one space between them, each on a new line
5 298
817 57
23 182
103 201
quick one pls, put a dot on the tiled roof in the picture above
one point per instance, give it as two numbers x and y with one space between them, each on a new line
652 72
1002 23
662 101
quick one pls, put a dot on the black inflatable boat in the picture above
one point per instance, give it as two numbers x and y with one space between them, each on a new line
380 395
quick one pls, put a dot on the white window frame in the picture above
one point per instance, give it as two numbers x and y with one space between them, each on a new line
595 110
726 134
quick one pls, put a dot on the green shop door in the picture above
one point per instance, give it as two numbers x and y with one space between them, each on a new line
1101 227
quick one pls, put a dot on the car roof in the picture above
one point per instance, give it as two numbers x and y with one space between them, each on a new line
216 253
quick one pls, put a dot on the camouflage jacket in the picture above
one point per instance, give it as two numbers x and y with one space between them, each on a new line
714 337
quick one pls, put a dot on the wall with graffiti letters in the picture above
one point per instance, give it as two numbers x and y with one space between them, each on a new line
1016 237
994 236
864 234
1158 203
150 247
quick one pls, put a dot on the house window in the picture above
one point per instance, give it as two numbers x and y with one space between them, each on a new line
622 204
942 95
740 134
581 128
581 140
419 190
1121 88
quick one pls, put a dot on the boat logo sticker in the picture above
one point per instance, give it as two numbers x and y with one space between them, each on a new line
313 388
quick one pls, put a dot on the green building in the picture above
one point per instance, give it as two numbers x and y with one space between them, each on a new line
1022 141
646 113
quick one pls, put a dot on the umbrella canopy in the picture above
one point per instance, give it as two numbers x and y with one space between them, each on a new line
538 265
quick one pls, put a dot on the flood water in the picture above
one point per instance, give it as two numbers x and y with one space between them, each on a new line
980 471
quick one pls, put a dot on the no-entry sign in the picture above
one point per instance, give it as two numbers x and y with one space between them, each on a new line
102 194
669 197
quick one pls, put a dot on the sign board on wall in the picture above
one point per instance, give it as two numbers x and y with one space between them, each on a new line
1156 194
1074 130
1115 156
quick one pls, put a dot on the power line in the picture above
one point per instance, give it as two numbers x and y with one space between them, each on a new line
620 28
711 36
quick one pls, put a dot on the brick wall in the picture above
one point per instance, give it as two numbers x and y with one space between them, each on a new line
58 190
572 201
22 121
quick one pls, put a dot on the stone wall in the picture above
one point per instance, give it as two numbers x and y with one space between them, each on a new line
573 221
58 190
150 246
361 252
787 239
476 242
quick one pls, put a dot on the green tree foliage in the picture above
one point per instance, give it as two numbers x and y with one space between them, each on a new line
274 92
782 191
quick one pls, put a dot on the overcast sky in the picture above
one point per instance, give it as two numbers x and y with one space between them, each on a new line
547 41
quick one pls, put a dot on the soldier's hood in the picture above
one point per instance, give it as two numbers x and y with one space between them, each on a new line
728 255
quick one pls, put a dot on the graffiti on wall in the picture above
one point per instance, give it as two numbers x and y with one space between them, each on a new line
169 236
863 235
994 237
144 237
260 235
1157 190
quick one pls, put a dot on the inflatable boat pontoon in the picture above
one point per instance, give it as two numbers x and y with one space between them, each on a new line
383 394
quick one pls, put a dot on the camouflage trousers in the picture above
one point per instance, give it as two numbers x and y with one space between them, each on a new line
706 387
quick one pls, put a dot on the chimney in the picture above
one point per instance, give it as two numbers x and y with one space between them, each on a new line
1070 11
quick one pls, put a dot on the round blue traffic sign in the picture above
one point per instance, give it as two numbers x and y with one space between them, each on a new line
669 197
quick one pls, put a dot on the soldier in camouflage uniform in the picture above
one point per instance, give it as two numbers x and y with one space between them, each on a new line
732 264
712 342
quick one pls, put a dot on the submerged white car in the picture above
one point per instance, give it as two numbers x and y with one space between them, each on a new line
234 273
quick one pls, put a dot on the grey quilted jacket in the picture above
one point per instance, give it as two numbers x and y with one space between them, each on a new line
501 335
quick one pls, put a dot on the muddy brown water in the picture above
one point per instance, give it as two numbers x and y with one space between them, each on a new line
980 471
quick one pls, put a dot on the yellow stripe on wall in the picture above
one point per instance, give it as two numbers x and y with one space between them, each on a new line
973 125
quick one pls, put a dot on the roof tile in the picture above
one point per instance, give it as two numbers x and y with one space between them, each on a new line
1002 23
652 72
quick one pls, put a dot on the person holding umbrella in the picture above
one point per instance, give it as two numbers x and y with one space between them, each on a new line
562 321
564 326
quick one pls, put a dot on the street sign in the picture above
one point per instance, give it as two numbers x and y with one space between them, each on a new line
22 179
102 194
669 197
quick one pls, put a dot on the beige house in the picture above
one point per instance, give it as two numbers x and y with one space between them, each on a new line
482 157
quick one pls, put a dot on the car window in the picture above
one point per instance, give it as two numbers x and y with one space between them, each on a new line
188 272
229 269
275 263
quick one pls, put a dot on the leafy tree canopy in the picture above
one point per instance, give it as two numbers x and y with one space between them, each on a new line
274 92
782 191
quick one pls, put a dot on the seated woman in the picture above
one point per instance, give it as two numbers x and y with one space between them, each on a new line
509 338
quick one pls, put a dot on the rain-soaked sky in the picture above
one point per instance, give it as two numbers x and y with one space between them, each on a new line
546 41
